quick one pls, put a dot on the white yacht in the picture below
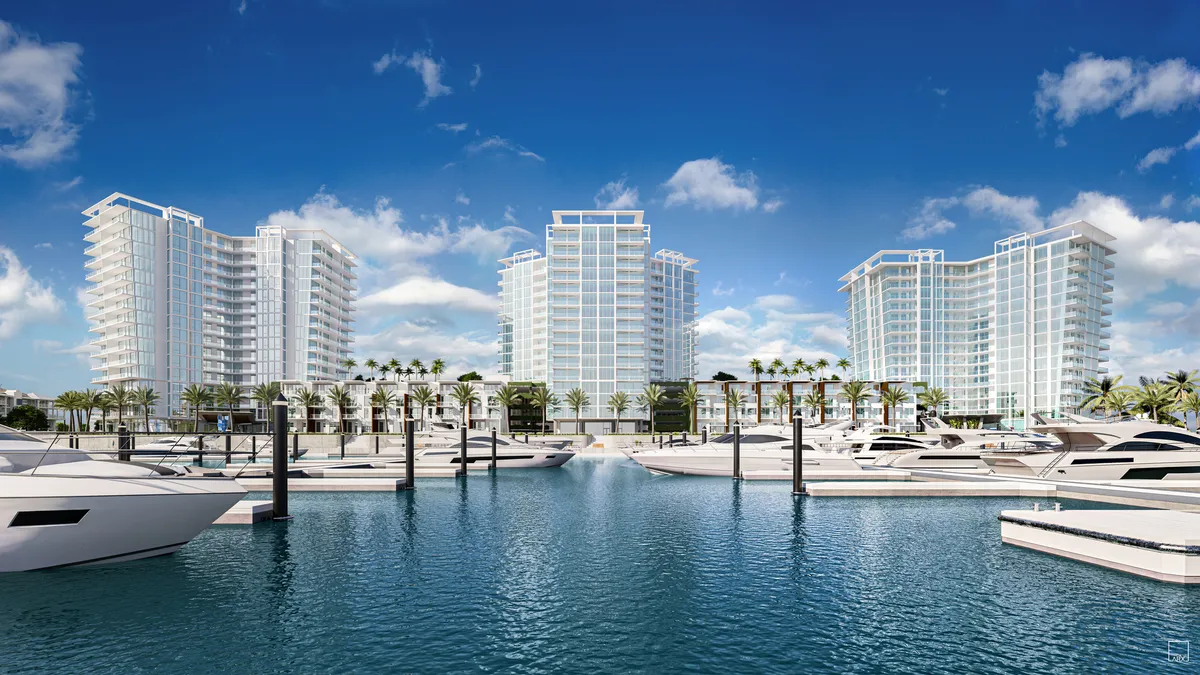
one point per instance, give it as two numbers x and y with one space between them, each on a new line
62 507
765 447
187 448
441 445
955 449
1098 450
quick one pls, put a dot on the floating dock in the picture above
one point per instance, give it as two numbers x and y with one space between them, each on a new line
815 475
327 484
1162 545
246 512
928 489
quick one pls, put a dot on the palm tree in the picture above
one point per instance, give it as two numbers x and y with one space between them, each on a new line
778 365
821 364
1190 404
893 398
264 395
814 401
843 364
308 400
543 399
340 399
384 369
196 396
577 399
105 405
810 369
654 397
933 399
395 366
771 370
423 396
1097 390
349 364
756 368
619 403
122 398
799 366
384 399
1121 400
371 365
855 392
1181 383
437 368
689 398
146 398
228 396
409 371
68 402
91 400
734 400
509 397
780 400
464 395
1154 398
415 366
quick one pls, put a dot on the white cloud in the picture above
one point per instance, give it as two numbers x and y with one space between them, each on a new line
462 198
428 292
1092 84
941 92
729 337
454 128
477 77
1060 141
462 352
1156 156
712 184
1020 210
930 221
1166 309
720 290
37 87
1193 202
772 205
23 299
501 144
82 351
617 196
423 64
44 244
488 245
1166 201
242 7
776 301
1154 251
69 184
510 215
1193 142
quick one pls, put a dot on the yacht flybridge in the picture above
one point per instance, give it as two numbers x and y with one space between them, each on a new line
765 447
61 507
1096 450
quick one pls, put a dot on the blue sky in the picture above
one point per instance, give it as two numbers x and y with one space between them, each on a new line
779 145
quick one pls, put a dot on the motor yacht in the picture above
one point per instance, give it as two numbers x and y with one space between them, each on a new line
186 448
62 507
958 449
765 447
441 445
1133 449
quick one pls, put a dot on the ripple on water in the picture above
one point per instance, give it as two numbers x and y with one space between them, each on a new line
598 568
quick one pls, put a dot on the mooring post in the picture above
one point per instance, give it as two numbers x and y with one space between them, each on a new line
200 450
124 443
462 450
228 447
279 470
704 436
737 451
295 447
410 428
797 455
683 438
253 449
671 441
377 444
342 444
526 439
492 466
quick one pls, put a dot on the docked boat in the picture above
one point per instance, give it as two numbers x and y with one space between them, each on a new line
63 507
765 447
442 445
1098 450
953 449
184 448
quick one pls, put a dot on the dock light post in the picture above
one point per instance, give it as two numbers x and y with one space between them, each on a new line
462 450
410 427
737 451
797 455
492 466
124 443
279 470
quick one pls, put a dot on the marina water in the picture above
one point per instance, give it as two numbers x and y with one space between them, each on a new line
599 567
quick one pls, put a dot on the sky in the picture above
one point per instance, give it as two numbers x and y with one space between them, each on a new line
779 145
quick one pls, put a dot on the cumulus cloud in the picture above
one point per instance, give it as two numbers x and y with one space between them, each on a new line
772 205
488 246
1192 202
429 292
616 195
463 352
497 144
986 201
23 299
477 76
510 215
1092 84
929 220
1155 156
423 64
462 198
1193 142
82 351
37 87
712 184
1166 202
453 128
730 336
720 289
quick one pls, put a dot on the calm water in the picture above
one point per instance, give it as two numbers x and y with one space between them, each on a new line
598 568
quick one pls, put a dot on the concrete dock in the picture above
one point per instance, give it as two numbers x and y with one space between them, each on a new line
927 489
327 484
1162 545
816 475
246 512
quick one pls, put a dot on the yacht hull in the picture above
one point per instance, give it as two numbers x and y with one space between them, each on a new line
57 521
1102 465
700 463
533 459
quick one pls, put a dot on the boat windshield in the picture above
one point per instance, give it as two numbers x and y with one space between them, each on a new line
16 436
